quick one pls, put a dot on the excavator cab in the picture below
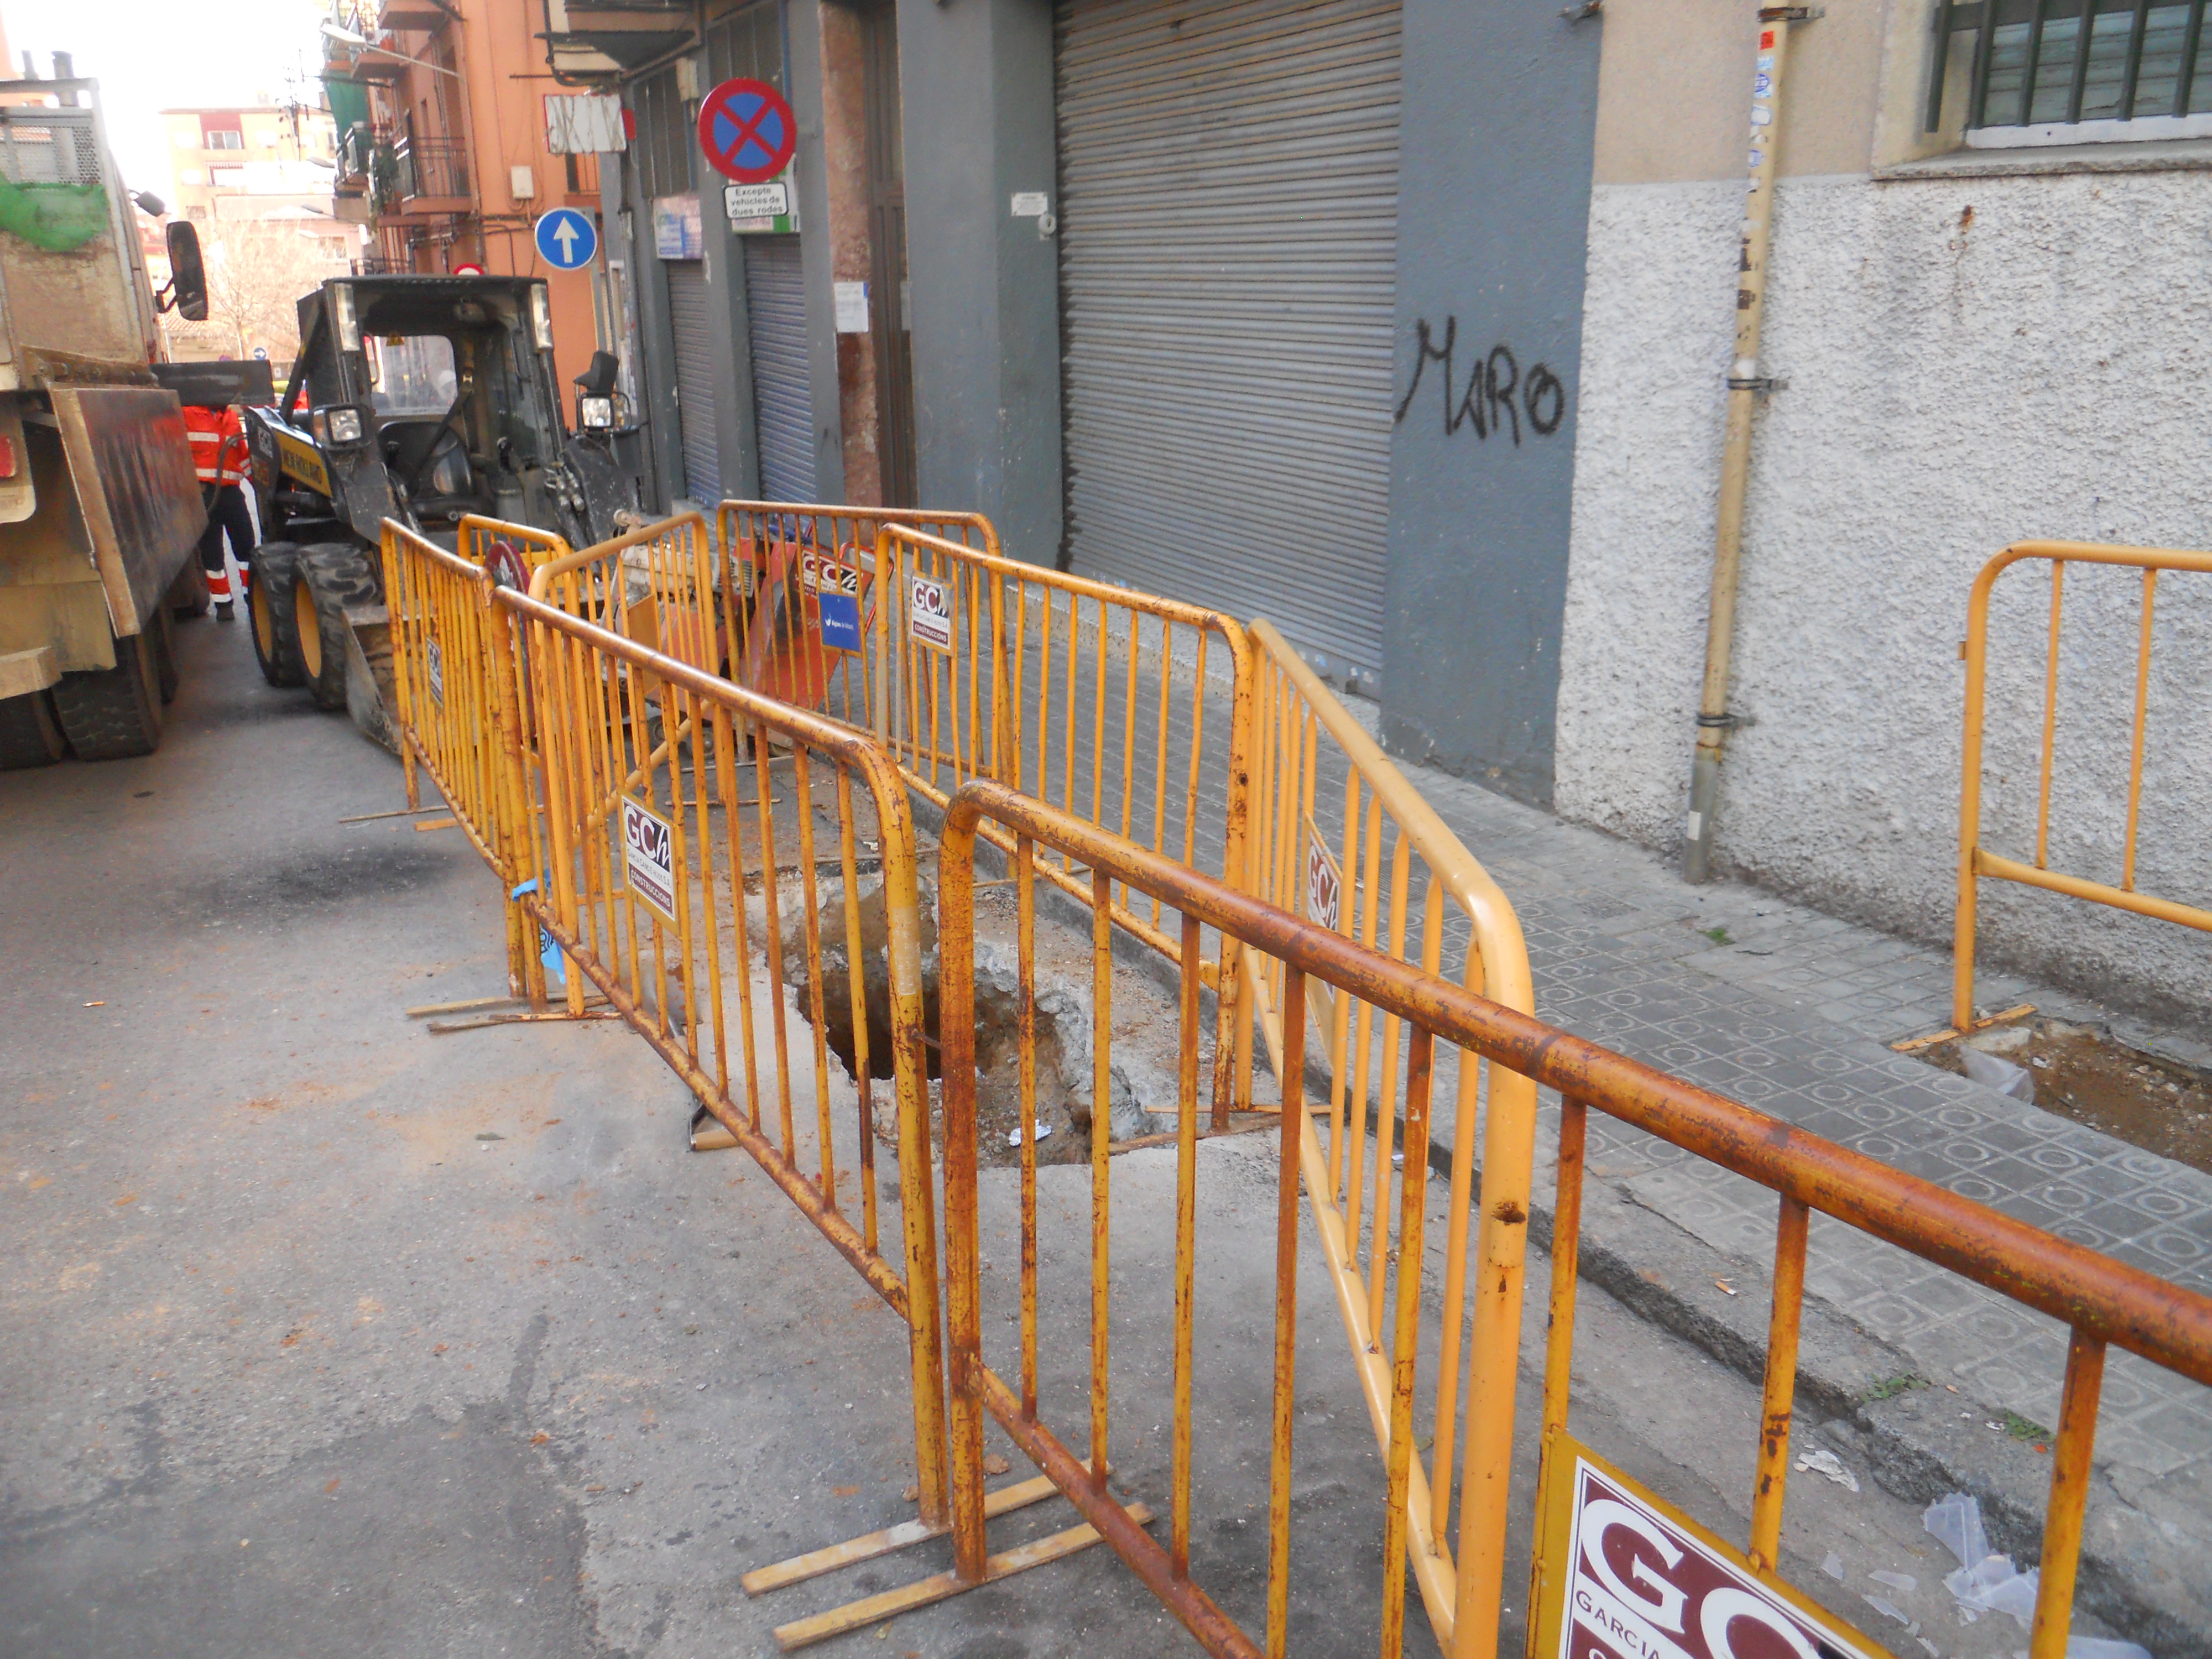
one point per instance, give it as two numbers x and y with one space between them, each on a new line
423 400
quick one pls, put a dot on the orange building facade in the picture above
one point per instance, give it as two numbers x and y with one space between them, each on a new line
443 151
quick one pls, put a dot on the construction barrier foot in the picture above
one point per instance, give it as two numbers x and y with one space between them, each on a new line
939 1587
502 1011
869 1546
708 1135
1913 1045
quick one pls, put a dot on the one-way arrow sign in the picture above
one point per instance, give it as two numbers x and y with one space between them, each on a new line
566 239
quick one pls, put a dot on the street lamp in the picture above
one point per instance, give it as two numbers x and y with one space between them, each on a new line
346 37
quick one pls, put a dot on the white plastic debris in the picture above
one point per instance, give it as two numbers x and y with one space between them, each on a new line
1014 1135
1983 1583
1956 1521
2000 1075
1934 1652
1885 1609
1993 1584
1824 1461
1833 1566
2096 1646
1896 1581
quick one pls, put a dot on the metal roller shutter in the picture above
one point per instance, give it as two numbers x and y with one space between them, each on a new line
1229 176
783 401
689 301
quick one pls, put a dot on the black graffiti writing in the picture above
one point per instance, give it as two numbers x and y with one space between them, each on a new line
1498 393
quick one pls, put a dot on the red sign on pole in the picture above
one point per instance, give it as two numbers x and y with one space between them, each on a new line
748 130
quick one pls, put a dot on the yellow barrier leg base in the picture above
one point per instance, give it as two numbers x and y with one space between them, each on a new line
941 1586
1913 1045
527 1016
869 1546
708 1135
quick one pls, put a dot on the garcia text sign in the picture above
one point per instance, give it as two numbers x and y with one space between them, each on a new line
649 847
1624 1576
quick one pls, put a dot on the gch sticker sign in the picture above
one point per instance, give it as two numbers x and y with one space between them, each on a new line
1624 1576
1324 884
929 613
434 661
649 845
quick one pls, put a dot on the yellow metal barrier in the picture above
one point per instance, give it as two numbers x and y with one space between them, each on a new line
453 669
655 585
2106 1302
1976 860
1089 697
1341 837
789 569
685 878
510 551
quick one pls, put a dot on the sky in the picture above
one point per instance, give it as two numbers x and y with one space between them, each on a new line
149 57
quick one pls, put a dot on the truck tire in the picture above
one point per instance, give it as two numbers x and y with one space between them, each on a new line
268 608
329 579
114 714
188 595
165 651
29 733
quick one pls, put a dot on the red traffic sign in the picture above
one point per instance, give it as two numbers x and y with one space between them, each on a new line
748 130
470 270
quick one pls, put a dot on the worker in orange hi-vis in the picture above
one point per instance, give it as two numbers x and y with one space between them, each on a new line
218 439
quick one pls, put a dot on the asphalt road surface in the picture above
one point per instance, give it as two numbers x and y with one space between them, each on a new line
326 1335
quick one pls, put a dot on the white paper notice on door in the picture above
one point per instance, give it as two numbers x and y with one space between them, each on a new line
852 307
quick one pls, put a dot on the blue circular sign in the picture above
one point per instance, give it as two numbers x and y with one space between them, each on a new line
566 239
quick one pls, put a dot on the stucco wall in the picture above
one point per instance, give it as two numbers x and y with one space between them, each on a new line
1971 362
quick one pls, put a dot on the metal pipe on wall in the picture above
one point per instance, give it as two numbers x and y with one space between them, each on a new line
1744 384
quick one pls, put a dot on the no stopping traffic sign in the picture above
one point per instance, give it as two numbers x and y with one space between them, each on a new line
748 130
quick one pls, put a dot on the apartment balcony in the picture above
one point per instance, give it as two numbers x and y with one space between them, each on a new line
416 17
596 42
429 177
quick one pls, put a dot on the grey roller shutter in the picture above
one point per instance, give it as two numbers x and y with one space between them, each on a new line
688 302
783 401
1228 232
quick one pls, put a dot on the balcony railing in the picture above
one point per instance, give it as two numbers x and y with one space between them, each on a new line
431 167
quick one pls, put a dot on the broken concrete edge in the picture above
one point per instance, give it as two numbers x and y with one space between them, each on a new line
2133 1573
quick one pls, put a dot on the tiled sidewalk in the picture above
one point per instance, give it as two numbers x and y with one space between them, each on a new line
1794 1016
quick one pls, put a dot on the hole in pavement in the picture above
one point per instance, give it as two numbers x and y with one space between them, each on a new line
2086 1073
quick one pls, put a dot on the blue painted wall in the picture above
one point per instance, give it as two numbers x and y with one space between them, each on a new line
1497 121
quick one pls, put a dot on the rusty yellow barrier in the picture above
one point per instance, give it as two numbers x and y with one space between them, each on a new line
1092 698
692 828
1976 860
798 583
1341 837
510 551
452 668
2105 1302
655 585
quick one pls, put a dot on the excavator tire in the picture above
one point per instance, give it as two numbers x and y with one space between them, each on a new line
268 608
29 733
114 714
329 577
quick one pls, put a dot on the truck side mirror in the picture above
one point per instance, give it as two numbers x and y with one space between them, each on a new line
186 294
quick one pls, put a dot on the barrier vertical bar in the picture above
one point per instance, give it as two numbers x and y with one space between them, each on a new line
2069 1495
1773 1458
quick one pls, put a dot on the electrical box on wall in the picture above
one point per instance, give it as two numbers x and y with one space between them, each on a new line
522 184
